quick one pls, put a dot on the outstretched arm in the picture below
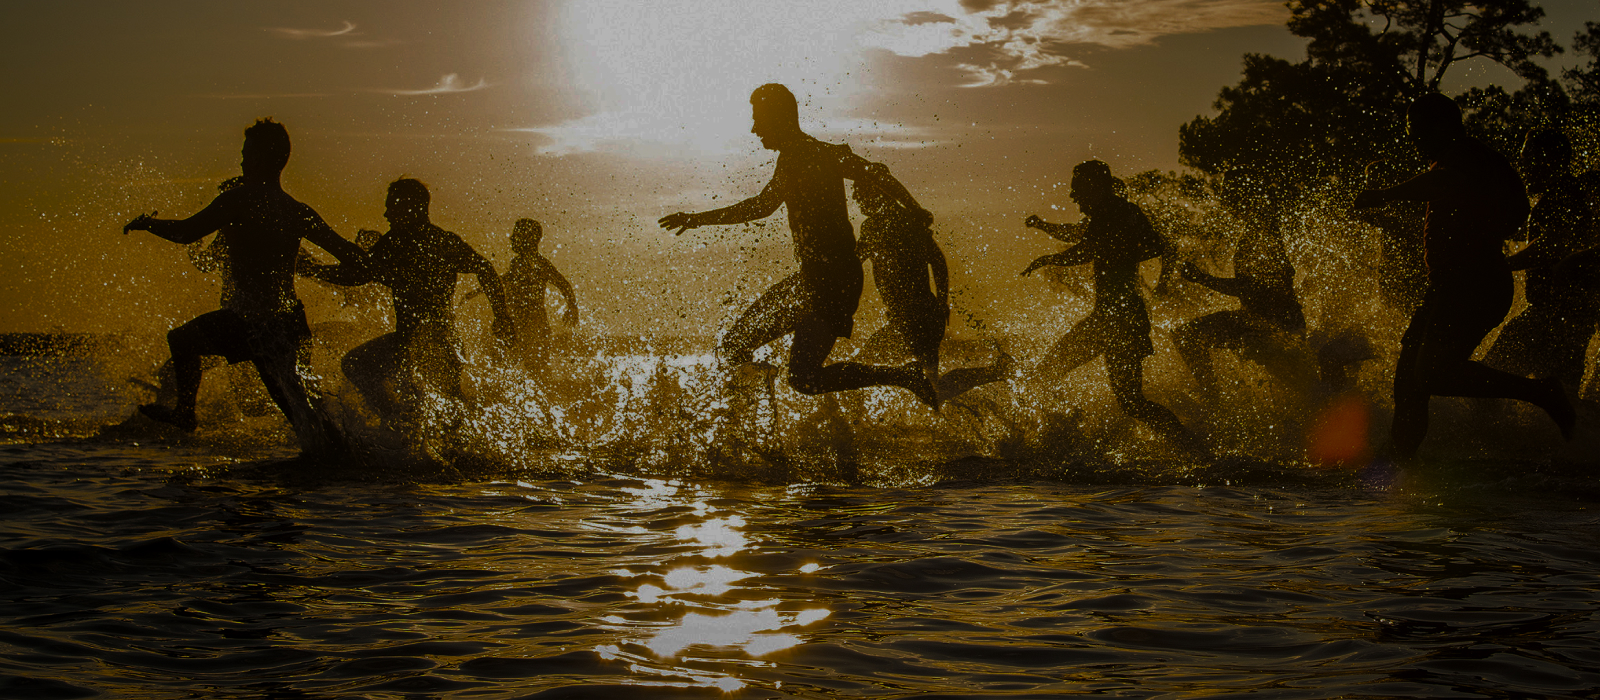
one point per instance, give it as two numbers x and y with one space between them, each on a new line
1076 255
1066 233
760 206
1231 286
185 231
1434 184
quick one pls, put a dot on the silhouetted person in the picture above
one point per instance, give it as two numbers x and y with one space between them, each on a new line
1114 238
263 321
905 258
1550 338
525 282
818 303
1269 325
418 262
1475 202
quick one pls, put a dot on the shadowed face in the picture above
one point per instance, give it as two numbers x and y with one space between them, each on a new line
774 130
1089 191
400 210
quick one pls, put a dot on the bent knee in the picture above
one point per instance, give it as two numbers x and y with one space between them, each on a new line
804 384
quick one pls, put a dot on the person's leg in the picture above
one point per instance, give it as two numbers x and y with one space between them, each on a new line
1410 422
433 352
370 366
964 379
1127 384
1195 339
1083 343
808 375
216 333
1447 372
772 316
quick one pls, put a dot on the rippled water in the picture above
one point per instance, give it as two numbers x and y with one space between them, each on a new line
160 569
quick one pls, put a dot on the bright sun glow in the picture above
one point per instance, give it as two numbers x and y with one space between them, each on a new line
679 74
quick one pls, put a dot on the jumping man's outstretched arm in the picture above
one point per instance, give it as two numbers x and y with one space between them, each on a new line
1231 286
185 231
1431 185
1066 233
760 206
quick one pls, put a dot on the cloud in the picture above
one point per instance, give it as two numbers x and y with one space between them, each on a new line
349 29
449 84
1012 37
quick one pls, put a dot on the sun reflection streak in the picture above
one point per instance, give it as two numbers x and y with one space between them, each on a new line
743 629
719 536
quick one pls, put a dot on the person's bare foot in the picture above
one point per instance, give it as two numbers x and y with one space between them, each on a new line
918 383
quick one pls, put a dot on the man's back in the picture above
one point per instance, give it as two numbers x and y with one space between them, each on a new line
810 175
1485 205
420 266
261 237
1120 238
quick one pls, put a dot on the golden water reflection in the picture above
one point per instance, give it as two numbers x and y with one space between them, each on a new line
684 603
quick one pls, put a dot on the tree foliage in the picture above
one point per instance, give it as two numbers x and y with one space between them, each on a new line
1343 106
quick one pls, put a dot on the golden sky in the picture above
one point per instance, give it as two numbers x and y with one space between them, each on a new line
596 118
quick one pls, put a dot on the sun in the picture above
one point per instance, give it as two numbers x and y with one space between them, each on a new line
680 73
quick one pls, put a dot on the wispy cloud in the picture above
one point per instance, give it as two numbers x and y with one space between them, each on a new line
1001 41
349 29
345 36
450 83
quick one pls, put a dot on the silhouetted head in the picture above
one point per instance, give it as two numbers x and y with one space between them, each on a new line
1092 184
1434 122
407 203
525 236
775 115
1546 155
266 149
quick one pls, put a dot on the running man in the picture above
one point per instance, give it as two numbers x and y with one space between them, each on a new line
1475 201
1114 238
1550 338
818 303
418 262
525 282
904 259
263 320
1269 325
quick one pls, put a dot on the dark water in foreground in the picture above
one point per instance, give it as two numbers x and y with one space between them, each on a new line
149 569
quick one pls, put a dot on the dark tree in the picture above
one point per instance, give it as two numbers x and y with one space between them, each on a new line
1321 121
